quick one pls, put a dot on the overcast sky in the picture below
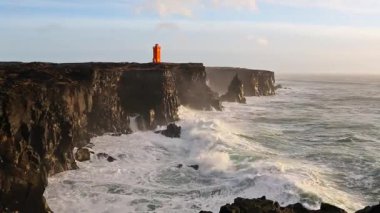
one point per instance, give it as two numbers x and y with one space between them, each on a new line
288 36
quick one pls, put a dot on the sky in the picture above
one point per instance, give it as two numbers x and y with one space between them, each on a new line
286 36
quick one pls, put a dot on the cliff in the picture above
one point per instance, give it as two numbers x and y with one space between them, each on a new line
192 88
47 109
256 82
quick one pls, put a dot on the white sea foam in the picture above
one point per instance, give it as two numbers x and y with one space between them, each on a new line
245 151
133 124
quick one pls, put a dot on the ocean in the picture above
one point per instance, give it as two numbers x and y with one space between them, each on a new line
317 140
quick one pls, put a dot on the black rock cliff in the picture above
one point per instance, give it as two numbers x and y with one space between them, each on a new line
48 109
256 82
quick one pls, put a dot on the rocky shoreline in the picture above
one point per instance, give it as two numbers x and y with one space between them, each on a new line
263 205
47 110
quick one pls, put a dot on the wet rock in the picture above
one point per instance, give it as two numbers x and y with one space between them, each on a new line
83 154
325 207
105 156
205 212
263 205
278 86
111 159
370 209
216 103
195 167
116 134
171 131
179 166
235 91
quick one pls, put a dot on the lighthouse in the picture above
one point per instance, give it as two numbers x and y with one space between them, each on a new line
157 54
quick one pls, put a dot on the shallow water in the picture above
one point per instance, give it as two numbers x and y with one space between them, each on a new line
313 142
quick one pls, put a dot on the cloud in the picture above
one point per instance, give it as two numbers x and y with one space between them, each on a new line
348 6
187 8
261 41
170 26
237 4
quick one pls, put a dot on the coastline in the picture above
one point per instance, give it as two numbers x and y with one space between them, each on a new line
48 109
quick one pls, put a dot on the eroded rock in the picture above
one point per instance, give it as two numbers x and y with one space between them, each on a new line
370 209
235 91
103 155
171 131
195 166
263 205
83 154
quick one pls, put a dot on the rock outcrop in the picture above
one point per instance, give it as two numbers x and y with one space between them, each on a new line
82 154
235 91
370 209
171 131
262 205
48 109
256 82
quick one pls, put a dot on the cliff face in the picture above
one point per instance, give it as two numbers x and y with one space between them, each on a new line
256 82
235 91
192 88
48 109
151 92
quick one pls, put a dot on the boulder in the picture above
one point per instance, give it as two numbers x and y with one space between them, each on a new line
235 91
171 131
83 154
105 156
195 166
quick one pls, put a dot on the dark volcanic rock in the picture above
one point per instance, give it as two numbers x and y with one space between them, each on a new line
154 97
278 86
48 109
105 156
171 131
82 154
192 88
262 205
195 167
370 209
235 91
256 82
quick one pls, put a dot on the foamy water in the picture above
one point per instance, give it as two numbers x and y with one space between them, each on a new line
313 142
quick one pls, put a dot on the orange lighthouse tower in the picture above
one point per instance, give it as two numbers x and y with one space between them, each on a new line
157 54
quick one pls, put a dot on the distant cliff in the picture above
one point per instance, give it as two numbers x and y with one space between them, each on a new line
256 82
47 109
